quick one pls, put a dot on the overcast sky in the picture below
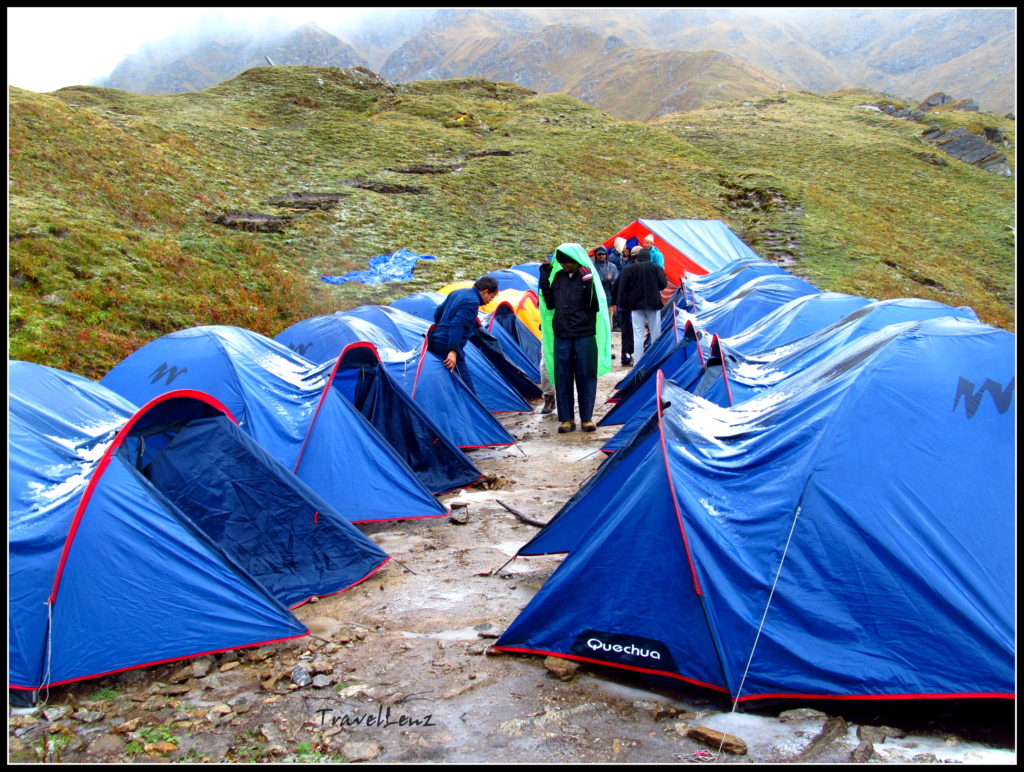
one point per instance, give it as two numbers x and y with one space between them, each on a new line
49 48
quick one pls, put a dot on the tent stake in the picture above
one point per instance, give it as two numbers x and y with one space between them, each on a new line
521 516
403 565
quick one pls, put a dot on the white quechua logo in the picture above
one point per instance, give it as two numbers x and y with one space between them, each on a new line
623 649
596 644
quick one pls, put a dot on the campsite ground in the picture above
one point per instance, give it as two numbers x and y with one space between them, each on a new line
399 670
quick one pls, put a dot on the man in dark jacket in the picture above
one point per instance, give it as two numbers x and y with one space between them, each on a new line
571 295
640 287
454 321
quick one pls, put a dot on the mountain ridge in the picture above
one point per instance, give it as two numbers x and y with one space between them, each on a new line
910 52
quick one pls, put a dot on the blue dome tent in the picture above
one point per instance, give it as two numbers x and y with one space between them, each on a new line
118 514
309 427
800 545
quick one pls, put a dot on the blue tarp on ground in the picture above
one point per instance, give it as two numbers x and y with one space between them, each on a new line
310 428
866 516
121 515
397 266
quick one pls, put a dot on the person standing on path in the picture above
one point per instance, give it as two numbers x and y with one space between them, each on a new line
656 257
639 290
576 333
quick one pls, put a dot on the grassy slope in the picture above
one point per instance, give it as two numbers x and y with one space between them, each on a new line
110 248
872 217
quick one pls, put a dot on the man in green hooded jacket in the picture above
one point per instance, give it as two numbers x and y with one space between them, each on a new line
574 319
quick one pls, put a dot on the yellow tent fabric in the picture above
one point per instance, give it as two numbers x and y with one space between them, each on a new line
449 288
525 304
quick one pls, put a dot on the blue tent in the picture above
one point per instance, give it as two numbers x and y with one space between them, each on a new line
733 378
446 399
730 376
419 304
119 516
853 538
364 380
533 269
309 427
500 384
520 345
323 338
725 281
456 410
746 303
512 278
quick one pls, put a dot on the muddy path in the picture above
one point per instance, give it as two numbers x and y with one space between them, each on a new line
398 669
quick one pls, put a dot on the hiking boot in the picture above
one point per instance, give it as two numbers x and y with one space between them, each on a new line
566 426
549 404
588 426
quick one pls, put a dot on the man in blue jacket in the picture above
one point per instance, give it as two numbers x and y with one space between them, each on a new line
454 321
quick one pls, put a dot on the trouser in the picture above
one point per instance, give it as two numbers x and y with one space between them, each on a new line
545 382
575 366
626 331
461 368
651 317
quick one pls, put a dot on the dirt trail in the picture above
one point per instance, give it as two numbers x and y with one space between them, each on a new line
399 670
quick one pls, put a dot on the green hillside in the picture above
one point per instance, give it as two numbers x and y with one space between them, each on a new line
861 195
113 197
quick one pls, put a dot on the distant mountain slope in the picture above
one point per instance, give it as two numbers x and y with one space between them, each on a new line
969 53
630 83
193 61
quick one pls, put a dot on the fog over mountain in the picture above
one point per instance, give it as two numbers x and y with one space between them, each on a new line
636 63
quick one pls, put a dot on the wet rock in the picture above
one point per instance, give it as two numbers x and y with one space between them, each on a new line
925 758
864 752
802 714
660 711
56 713
272 734
130 725
156 703
834 729
176 689
107 745
713 738
87 716
181 675
259 654
871 734
361 751
301 676
23 722
159 748
565 669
